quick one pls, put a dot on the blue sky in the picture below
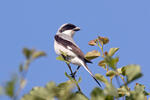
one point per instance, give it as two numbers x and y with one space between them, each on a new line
33 24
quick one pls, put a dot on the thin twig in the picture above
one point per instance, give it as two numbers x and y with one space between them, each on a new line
126 86
23 76
76 70
117 79
74 78
70 68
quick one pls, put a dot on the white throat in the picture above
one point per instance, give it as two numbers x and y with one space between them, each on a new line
69 32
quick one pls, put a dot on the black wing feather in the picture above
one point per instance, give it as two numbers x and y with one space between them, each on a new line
75 49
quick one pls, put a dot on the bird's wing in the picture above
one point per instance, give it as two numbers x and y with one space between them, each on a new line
72 47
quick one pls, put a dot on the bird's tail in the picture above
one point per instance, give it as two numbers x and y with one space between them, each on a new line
86 67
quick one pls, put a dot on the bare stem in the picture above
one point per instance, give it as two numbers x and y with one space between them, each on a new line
74 77
111 80
107 68
70 68
124 82
22 78
101 47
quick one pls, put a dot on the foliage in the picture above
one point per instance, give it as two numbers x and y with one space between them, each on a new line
10 86
13 87
67 90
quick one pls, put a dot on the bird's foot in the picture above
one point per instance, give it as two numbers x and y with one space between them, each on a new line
72 75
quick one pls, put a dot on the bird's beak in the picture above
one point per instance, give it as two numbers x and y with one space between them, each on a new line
76 29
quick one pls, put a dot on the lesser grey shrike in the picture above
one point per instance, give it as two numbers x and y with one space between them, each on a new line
64 42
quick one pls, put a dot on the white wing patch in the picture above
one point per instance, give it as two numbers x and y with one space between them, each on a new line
69 48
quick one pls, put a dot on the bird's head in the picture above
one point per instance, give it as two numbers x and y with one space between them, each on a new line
68 29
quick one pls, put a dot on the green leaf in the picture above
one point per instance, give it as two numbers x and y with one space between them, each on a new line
21 68
31 97
63 53
77 96
108 97
1 90
68 76
132 72
110 90
102 64
62 59
52 89
79 80
112 51
135 96
111 62
119 70
38 54
103 40
10 86
101 78
139 88
135 77
27 52
51 86
92 55
42 93
72 79
123 70
38 93
92 43
122 91
33 53
97 94
64 90
110 73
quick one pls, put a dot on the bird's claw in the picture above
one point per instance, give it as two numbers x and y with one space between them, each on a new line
72 75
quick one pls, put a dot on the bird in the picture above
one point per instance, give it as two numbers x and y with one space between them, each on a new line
64 42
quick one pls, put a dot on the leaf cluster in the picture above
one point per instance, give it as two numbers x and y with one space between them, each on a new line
14 86
123 75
